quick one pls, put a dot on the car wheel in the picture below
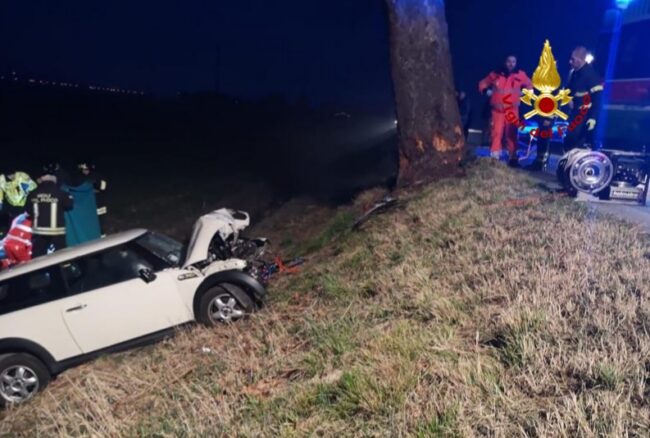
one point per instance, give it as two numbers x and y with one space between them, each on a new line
224 303
21 377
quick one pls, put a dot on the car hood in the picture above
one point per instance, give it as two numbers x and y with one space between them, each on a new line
225 222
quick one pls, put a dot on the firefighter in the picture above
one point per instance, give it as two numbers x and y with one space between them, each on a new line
89 174
17 246
504 88
544 135
587 88
47 205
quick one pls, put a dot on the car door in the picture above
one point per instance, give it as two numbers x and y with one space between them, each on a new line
30 310
113 304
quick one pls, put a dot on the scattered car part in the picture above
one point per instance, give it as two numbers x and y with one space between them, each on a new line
386 203
279 266
606 174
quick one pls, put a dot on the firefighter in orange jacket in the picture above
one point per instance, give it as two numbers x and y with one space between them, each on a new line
504 88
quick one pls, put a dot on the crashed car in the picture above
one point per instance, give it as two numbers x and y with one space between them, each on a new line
121 291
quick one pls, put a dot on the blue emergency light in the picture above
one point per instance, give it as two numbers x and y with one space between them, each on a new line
623 4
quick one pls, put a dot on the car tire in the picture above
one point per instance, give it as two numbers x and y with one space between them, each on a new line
224 303
22 376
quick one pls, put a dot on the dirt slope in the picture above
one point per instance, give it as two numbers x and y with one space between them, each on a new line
460 314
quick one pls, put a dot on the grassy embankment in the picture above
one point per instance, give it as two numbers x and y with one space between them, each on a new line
457 315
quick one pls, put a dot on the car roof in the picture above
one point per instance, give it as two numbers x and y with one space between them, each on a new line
71 253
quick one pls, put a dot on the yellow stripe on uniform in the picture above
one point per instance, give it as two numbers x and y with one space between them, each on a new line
49 231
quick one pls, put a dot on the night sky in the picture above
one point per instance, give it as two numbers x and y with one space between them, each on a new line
333 51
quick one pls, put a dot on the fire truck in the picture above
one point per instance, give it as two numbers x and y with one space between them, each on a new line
627 113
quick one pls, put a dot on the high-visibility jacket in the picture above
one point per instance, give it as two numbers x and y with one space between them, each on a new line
506 88
16 188
17 245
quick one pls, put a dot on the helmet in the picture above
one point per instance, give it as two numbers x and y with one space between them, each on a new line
86 166
51 168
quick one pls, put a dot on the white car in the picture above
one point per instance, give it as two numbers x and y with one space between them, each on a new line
121 291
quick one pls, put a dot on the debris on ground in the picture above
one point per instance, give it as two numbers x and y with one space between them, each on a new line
380 207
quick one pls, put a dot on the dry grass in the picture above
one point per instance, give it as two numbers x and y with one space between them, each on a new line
453 316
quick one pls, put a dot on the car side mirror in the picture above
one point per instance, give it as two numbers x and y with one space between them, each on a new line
147 275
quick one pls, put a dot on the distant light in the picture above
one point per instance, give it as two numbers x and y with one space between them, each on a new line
590 58
623 4
395 122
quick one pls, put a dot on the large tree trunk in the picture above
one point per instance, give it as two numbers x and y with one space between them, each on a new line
431 141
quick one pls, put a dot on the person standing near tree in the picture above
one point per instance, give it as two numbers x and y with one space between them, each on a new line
503 86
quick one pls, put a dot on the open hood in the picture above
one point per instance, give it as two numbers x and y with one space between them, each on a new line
225 222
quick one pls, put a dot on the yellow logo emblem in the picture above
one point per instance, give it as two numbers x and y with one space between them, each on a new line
546 80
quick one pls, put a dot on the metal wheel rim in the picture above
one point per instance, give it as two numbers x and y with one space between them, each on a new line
592 172
18 383
225 308
573 155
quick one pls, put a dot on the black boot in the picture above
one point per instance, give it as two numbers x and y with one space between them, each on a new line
514 163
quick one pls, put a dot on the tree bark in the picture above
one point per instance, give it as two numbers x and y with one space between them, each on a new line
431 143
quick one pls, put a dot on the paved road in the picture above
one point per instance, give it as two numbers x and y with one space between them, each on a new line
630 212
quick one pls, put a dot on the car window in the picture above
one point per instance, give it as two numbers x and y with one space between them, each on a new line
163 248
33 289
103 269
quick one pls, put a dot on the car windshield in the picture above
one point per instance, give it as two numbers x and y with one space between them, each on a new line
162 247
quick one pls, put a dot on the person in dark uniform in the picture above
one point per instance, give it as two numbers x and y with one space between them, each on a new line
586 88
89 173
544 124
46 206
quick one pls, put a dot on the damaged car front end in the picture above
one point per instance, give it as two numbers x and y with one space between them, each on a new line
217 239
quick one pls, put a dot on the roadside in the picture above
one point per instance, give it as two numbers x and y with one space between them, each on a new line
632 213
455 314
